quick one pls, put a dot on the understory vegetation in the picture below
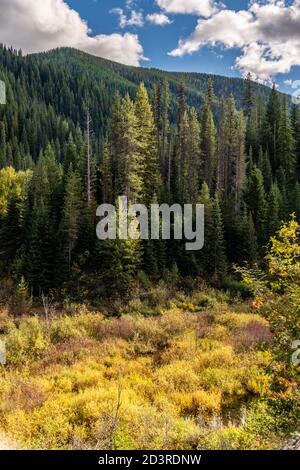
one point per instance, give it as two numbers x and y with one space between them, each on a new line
200 374
179 366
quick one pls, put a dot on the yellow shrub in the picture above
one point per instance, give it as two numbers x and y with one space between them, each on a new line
65 328
257 381
218 332
235 321
177 376
223 356
199 403
89 382
27 342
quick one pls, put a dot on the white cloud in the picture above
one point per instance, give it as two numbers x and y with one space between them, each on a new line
35 26
135 19
130 3
267 34
159 19
193 7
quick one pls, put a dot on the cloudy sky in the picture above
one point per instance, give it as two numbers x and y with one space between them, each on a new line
228 37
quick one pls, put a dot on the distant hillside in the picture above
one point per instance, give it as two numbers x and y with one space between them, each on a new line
114 74
47 92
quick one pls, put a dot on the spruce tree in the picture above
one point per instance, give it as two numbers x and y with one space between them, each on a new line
194 159
130 163
247 248
286 144
106 178
204 255
217 243
208 143
295 118
210 93
232 157
12 230
42 223
248 95
165 134
2 146
21 301
147 151
271 127
255 197
72 212
121 260
273 211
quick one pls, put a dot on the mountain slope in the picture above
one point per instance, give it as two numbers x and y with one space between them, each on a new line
47 95
115 73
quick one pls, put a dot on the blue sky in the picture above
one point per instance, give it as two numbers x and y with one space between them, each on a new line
226 37
158 41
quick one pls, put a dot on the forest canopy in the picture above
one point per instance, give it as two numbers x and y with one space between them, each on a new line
79 131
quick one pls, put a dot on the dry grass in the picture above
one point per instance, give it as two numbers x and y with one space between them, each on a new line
139 383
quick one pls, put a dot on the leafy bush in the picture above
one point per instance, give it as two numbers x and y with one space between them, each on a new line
177 380
237 289
26 342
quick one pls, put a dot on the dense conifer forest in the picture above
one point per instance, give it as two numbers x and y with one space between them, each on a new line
78 131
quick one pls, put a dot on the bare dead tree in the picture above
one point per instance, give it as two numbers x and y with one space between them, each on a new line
49 309
88 138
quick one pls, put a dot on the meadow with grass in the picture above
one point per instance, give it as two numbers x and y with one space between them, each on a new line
174 368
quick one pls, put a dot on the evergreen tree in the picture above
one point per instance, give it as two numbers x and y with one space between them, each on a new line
210 93
286 143
21 301
208 143
271 126
42 223
106 178
194 162
121 260
297 201
165 135
217 243
181 160
72 211
71 157
11 231
264 165
205 255
248 96
295 118
148 151
157 113
247 247
2 146
130 164
256 200
273 212
232 158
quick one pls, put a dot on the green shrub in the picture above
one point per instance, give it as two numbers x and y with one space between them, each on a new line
237 289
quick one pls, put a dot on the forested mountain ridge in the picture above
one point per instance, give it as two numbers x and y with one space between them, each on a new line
78 131
57 84
114 74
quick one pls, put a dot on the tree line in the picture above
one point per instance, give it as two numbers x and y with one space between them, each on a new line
242 164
